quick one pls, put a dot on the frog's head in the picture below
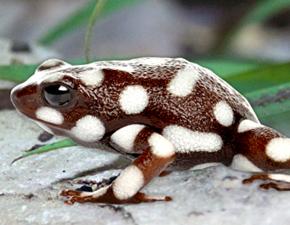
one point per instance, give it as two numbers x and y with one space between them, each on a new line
67 100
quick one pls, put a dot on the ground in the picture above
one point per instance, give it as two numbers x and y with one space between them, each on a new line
29 189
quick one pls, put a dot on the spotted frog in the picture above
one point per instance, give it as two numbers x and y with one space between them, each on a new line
164 113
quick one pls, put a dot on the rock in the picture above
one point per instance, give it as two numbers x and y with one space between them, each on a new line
29 188
15 52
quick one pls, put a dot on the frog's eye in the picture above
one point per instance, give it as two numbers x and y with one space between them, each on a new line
58 95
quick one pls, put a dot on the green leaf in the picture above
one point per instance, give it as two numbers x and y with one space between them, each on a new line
271 101
227 67
16 73
260 78
88 37
47 148
80 17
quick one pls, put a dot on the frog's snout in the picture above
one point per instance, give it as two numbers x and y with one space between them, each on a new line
24 99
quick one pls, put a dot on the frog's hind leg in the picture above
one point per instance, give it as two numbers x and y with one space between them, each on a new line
264 150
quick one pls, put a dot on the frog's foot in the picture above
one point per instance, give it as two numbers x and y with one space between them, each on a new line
92 185
280 182
105 195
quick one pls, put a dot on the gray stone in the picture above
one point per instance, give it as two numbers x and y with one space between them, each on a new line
23 53
29 189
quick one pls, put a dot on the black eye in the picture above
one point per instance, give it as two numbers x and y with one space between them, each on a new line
57 95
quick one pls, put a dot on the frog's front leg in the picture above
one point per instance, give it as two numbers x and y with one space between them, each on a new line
155 154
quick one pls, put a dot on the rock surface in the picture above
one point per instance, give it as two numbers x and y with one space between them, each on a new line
29 189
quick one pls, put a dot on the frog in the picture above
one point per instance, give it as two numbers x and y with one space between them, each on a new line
165 114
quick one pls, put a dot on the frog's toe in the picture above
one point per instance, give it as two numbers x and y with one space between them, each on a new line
280 182
255 177
70 193
276 185
141 197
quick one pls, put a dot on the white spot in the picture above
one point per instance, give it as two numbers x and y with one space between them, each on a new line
183 82
232 91
280 177
130 181
93 77
223 113
278 149
186 140
241 163
88 129
247 125
49 115
160 146
133 99
205 165
126 136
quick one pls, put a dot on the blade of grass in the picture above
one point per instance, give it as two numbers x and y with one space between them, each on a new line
80 17
270 101
47 148
88 37
260 78
16 73
227 67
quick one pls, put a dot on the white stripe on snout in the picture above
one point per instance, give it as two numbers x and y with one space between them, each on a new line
125 137
49 115
88 129
130 181
184 81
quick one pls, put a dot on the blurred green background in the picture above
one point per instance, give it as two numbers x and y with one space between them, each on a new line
245 42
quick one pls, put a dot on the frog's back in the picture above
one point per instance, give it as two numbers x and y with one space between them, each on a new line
185 94
192 107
